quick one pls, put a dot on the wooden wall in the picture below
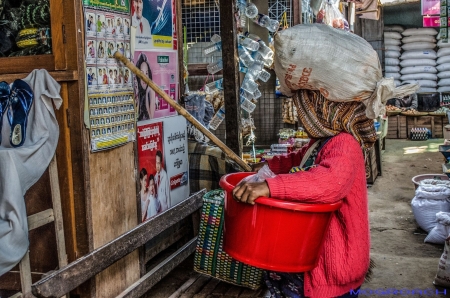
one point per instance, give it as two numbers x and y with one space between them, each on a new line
399 126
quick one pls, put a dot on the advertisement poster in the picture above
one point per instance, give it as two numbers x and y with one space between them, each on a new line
154 22
431 7
113 5
432 21
163 164
161 67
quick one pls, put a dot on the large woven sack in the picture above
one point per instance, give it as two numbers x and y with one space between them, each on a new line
427 90
443 67
392 42
442 229
393 28
419 76
389 68
428 201
393 35
419 31
340 64
418 62
419 38
444 75
391 62
444 89
417 54
418 45
392 48
418 69
442 60
392 54
443 52
443 273
394 75
423 83
443 44
444 83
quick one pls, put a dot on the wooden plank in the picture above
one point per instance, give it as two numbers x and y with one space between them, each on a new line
59 76
18 295
196 286
26 64
140 287
39 219
164 240
64 280
56 198
220 289
234 291
247 293
58 31
185 286
208 288
297 12
25 275
199 69
398 126
231 84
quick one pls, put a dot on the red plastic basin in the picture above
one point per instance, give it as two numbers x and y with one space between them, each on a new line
273 234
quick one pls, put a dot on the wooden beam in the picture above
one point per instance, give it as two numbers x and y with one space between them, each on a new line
59 76
39 219
231 84
68 278
25 275
144 284
297 12
199 69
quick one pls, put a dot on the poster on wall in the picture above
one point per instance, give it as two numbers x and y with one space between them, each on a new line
162 68
163 164
112 5
431 7
154 22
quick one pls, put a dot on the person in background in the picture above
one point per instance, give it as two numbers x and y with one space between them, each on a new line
154 205
138 20
333 169
162 183
146 96
144 192
408 102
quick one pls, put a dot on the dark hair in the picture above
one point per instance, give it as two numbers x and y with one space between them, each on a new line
143 113
142 174
151 177
159 153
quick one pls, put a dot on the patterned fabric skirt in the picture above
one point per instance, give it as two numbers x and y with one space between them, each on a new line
289 285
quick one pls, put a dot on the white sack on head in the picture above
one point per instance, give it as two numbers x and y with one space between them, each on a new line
340 64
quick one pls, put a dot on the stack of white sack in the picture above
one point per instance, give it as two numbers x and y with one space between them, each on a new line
392 46
418 63
443 66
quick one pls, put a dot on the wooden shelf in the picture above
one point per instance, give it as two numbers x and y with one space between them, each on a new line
60 76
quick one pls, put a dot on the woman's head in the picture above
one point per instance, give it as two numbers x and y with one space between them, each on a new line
143 65
143 178
151 184
323 118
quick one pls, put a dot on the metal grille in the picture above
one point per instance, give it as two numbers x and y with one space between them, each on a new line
201 19
278 7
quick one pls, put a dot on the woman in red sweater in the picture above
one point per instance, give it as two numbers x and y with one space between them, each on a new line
340 132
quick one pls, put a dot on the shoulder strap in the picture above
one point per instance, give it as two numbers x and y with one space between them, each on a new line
312 152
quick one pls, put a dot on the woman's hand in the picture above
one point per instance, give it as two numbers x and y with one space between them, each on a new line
248 192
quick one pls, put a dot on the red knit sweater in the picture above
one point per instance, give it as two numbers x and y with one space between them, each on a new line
340 174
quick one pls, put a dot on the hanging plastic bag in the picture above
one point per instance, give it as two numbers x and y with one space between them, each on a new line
330 15
441 231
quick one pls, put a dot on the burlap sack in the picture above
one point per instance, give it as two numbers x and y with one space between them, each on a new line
342 65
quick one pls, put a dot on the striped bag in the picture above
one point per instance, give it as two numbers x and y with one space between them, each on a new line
210 259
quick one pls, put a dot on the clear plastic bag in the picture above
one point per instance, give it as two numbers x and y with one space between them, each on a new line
263 173
329 14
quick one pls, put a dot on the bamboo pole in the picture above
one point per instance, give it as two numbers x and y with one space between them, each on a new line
183 112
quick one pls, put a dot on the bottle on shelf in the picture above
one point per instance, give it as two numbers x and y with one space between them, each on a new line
217 47
245 56
214 87
248 43
217 119
215 66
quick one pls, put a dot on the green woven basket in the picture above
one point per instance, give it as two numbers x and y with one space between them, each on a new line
210 259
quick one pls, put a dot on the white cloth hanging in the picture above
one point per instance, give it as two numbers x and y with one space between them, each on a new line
22 167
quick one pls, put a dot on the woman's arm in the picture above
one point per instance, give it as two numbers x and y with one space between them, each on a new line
282 164
151 100
330 181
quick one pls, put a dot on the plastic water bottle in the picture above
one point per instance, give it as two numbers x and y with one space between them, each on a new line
217 119
255 68
264 76
258 57
257 94
245 94
273 25
247 105
217 47
264 50
242 67
252 36
214 87
251 10
215 66
262 20
245 56
248 84
248 43
215 38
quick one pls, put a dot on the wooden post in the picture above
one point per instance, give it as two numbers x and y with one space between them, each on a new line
398 127
433 131
231 76
297 12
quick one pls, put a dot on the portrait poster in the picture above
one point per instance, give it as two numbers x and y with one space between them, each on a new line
163 164
112 5
154 21
162 68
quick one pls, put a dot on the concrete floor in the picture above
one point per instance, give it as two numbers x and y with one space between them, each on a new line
403 260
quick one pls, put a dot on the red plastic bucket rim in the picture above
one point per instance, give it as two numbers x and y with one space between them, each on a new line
277 203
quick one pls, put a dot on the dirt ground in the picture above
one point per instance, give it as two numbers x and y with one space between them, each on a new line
403 260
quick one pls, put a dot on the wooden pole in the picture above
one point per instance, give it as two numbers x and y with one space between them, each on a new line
183 112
